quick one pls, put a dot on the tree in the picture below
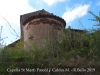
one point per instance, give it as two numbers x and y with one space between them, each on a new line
96 18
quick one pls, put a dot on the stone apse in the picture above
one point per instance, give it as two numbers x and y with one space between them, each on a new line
37 28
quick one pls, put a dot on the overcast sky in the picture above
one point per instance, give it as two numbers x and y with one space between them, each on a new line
74 12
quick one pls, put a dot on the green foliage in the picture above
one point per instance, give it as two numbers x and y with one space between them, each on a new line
96 18
87 47
84 46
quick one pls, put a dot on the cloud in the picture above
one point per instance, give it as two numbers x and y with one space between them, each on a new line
11 11
74 13
51 2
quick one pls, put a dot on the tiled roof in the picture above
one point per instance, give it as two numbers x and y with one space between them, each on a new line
41 13
77 30
74 29
14 43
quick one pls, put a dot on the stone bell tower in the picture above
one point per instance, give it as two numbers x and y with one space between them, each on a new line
38 26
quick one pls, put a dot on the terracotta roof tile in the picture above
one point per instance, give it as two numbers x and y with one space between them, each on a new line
25 17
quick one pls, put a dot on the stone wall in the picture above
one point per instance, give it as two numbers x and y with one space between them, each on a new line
39 30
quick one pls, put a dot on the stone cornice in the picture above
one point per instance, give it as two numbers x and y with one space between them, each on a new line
39 14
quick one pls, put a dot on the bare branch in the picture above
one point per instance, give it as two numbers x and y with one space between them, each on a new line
10 26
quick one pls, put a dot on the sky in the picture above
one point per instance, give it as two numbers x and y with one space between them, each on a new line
74 12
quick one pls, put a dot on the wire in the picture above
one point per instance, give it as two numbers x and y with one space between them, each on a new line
81 23
10 26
